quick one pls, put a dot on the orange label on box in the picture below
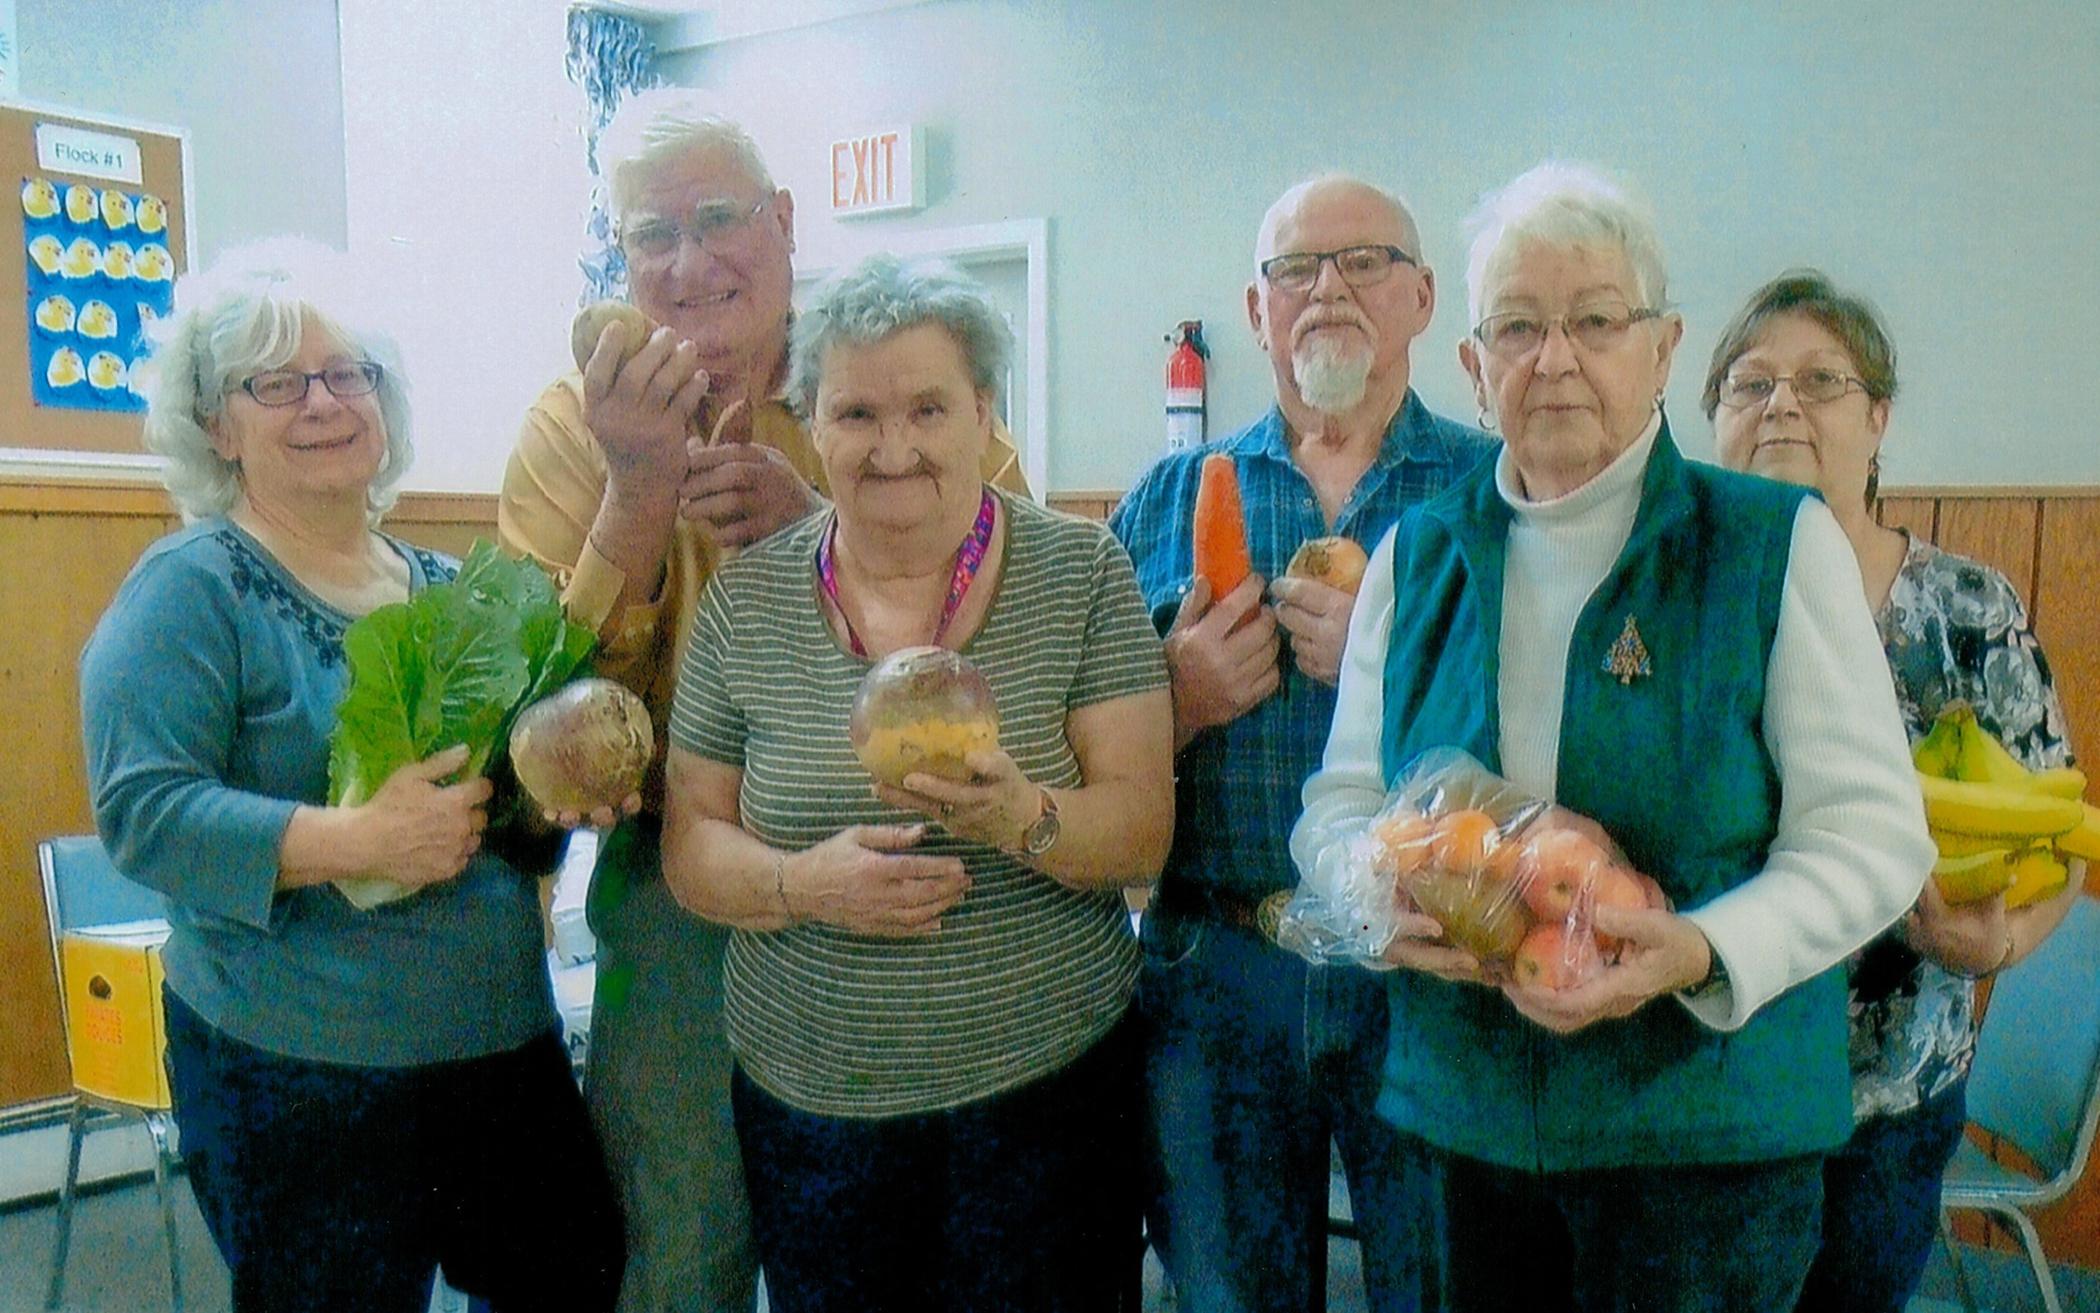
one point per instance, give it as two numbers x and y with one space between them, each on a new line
115 1026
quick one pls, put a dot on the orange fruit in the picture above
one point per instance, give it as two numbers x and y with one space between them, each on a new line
1463 840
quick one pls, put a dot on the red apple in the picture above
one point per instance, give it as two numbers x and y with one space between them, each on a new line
1553 957
1557 865
1617 887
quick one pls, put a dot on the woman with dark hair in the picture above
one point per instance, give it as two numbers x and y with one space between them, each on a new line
1799 390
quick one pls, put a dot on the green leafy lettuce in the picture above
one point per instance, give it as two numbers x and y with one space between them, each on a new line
452 665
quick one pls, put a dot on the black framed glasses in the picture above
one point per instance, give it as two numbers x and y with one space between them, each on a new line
1596 327
1359 266
1814 386
286 387
655 237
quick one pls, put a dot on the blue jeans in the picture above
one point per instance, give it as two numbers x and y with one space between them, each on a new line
1026 1200
1734 1238
1881 1207
331 1187
1257 1062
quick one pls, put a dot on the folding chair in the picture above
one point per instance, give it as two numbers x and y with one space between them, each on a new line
82 888
2036 1084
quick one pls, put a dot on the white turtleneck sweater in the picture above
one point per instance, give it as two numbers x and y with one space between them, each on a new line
1851 852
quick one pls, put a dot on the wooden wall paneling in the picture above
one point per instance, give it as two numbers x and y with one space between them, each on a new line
2066 609
1919 515
1999 531
61 571
68 544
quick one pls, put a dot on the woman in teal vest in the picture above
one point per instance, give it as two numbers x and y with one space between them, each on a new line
1799 390
1652 1138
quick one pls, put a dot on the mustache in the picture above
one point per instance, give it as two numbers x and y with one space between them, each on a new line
1327 319
919 466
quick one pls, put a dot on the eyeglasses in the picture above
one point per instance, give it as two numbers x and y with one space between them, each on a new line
1359 266
286 387
652 237
1597 327
1814 386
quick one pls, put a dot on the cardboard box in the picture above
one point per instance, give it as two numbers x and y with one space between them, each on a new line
116 1030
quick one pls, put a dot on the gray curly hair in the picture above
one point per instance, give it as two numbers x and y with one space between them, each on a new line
247 314
886 294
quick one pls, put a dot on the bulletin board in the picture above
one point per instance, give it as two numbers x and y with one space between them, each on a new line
86 261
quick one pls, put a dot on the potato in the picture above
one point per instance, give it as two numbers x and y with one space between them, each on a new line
589 326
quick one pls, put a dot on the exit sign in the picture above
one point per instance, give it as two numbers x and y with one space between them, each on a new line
877 173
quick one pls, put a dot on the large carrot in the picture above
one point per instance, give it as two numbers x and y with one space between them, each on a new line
1221 527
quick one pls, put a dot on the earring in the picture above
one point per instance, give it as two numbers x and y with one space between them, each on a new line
1487 421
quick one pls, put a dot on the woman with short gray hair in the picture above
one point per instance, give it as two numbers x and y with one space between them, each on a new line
363 1096
936 1088
1682 656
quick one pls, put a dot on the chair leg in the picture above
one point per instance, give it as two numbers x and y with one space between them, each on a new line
76 1128
2032 1243
163 1160
1961 1274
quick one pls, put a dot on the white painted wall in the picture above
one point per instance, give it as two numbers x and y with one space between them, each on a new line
258 86
466 192
1939 156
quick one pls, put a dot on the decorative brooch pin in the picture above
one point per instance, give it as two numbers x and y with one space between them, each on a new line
1628 658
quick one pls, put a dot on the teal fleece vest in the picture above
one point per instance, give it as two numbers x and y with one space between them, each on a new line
1674 766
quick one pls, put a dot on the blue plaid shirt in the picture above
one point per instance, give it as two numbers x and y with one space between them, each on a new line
1238 785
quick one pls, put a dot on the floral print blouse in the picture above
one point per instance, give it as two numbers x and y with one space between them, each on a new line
1954 629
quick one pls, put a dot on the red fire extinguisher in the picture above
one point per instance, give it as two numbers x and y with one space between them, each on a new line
1185 386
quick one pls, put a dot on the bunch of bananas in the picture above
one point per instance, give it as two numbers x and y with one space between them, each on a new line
2000 827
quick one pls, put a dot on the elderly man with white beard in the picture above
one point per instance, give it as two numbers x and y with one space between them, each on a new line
1258 1061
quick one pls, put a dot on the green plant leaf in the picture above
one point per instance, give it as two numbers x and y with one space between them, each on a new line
452 665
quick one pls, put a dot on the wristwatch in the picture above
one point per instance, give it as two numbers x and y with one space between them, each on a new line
1716 977
1040 835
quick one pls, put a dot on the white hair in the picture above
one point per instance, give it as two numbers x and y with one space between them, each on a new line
660 126
1562 205
244 315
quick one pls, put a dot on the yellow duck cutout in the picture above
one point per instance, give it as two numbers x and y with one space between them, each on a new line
65 368
39 199
54 314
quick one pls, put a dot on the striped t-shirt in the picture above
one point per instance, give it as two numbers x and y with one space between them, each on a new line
1024 974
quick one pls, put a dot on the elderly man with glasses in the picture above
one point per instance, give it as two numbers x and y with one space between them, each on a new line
630 481
1258 1061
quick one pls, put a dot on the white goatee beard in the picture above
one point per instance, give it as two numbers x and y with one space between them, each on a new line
1331 377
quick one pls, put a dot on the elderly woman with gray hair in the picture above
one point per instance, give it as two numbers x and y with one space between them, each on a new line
1683 655
936 1090
363 1096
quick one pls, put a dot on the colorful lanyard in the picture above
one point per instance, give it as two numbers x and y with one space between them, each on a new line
968 559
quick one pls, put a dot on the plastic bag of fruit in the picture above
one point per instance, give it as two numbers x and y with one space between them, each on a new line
1509 878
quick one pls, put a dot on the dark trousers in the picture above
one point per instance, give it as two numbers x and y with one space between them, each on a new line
331 1187
1734 1238
1025 1201
1258 1067
1881 1208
